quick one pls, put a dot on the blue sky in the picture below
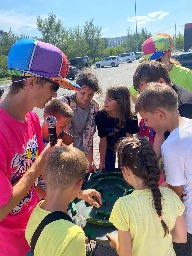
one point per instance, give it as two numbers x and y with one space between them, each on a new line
114 16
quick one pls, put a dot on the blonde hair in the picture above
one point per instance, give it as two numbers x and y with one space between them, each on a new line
64 165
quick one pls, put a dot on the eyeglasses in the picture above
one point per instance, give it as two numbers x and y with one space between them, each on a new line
55 86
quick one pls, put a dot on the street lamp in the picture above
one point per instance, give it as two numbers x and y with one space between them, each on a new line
136 26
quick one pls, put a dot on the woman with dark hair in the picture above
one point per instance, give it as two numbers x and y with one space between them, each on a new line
150 218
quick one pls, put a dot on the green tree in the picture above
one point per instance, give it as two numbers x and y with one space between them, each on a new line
109 52
3 66
144 35
132 41
178 42
93 35
7 41
76 44
51 29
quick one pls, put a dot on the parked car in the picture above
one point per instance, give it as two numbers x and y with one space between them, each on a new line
138 55
112 61
127 56
141 59
72 72
80 62
185 58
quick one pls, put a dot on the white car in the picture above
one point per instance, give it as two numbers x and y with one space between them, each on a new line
112 61
127 56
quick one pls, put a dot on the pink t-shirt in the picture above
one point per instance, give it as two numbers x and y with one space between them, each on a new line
20 145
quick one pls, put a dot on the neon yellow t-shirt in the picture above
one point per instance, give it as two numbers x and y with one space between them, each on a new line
58 238
136 213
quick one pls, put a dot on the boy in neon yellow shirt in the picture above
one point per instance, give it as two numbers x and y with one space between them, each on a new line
64 174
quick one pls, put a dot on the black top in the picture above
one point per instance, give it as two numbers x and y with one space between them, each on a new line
109 127
184 101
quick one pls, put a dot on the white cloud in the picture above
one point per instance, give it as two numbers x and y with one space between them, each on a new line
18 22
150 17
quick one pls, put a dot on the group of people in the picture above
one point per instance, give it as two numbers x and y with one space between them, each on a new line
156 219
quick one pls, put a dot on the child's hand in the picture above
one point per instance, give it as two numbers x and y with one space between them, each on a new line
113 241
92 168
90 196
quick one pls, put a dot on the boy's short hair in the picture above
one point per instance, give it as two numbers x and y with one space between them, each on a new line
157 95
87 78
150 71
57 107
64 165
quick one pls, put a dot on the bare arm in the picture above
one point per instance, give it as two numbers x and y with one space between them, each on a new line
92 166
177 189
158 141
21 188
124 239
179 233
122 244
102 152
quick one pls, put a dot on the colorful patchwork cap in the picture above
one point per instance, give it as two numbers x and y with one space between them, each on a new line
31 57
157 46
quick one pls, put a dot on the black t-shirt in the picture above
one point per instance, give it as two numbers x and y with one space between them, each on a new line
184 101
109 127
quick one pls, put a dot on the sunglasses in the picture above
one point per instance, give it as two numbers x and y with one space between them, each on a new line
55 86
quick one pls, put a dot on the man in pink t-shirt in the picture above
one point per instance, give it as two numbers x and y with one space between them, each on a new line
33 65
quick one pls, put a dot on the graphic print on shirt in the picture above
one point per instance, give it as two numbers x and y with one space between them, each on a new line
21 163
112 131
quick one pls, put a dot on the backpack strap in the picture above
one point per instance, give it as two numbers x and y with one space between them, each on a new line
53 216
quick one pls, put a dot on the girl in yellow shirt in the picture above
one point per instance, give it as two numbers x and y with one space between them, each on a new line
150 218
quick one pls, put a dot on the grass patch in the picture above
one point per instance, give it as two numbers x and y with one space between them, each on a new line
4 81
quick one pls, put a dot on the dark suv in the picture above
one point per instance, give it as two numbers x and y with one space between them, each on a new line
72 72
80 62
185 58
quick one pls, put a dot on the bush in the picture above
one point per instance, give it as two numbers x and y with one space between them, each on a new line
3 67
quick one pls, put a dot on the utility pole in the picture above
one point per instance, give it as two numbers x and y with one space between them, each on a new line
175 30
136 26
